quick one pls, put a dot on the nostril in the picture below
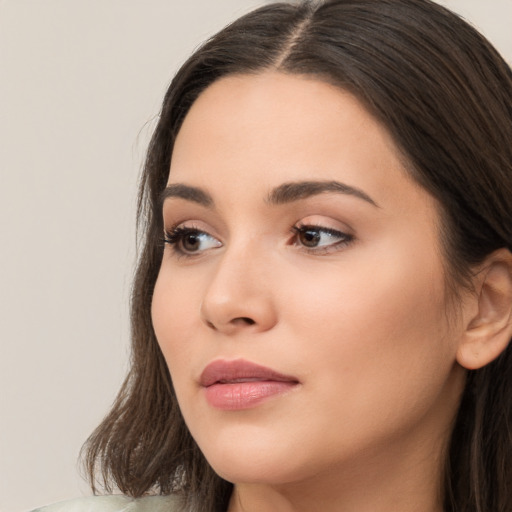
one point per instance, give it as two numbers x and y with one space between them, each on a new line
245 320
236 322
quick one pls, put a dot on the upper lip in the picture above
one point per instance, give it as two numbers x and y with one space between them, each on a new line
239 370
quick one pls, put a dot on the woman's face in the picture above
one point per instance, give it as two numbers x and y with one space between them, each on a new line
300 303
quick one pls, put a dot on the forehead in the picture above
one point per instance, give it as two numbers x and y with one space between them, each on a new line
258 131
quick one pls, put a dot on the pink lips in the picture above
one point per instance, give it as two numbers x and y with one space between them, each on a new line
240 384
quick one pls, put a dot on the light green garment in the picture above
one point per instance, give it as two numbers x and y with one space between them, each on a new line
115 504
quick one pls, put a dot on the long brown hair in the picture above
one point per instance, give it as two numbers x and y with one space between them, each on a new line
445 95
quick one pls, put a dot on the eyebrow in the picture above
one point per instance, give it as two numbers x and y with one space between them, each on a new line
187 192
285 193
294 191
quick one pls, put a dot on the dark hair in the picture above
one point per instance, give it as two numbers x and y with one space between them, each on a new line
445 95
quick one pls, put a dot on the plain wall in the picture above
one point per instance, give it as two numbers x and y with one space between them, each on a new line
80 86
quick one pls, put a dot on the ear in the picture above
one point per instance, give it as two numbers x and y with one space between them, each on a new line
489 330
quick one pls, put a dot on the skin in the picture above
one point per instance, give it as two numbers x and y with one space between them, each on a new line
363 323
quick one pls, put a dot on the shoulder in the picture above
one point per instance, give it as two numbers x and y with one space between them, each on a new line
115 504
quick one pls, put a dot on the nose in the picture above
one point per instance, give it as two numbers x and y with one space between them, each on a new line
240 294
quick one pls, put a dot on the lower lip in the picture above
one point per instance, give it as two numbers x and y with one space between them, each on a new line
244 395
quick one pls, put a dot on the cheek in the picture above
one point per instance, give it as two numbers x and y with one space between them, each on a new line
174 312
388 294
379 330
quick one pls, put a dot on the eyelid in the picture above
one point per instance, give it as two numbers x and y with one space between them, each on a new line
171 226
175 238
345 238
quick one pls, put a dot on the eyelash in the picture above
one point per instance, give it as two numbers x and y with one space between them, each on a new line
344 238
176 235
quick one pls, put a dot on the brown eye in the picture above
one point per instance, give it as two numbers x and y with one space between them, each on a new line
321 239
191 241
309 237
188 241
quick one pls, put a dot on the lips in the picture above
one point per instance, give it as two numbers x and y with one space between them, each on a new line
240 384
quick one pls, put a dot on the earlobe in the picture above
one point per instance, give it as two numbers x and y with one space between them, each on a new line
489 331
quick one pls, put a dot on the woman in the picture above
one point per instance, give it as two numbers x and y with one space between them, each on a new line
326 274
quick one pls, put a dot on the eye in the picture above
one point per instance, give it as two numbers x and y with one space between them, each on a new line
190 241
320 239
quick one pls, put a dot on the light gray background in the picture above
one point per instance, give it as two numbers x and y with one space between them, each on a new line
80 85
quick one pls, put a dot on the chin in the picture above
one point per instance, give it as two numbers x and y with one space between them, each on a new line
255 457
257 471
